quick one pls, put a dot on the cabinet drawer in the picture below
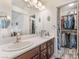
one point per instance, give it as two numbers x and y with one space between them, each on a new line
44 54
52 49
49 52
29 55
43 46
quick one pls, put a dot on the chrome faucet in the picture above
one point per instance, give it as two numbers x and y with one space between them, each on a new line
18 38
42 33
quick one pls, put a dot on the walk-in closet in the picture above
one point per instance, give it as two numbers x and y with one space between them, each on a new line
67 26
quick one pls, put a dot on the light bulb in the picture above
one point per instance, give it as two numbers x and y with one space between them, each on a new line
39 4
35 1
8 17
43 7
71 4
26 0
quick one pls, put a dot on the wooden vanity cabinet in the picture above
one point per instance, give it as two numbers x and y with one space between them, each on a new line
44 54
32 54
44 51
36 57
50 48
43 46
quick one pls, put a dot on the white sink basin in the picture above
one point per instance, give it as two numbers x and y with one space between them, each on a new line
17 46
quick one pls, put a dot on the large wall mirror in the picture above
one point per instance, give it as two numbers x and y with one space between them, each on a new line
22 23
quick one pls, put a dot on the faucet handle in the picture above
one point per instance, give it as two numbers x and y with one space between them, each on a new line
18 34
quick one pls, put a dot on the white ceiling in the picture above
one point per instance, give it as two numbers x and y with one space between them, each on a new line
55 3
47 3
50 4
5 7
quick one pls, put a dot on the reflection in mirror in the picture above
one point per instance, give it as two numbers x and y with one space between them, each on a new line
32 20
17 23
4 22
22 23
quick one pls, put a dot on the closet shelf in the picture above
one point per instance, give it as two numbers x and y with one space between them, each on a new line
69 30
69 15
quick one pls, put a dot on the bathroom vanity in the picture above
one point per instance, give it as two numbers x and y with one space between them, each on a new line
40 48
43 51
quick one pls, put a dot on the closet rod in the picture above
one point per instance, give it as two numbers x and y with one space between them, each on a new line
69 15
69 31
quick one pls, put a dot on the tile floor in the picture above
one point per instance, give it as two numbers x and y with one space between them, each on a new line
68 54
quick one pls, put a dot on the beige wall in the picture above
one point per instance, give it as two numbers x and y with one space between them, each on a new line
5 7
51 3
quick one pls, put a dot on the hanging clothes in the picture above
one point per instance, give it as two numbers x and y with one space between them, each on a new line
66 23
68 40
73 41
58 42
62 22
70 22
63 40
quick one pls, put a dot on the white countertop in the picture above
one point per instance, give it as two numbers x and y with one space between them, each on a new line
10 55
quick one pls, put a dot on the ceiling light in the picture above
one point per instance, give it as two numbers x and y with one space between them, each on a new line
35 1
26 0
43 7
36 6
39 4
71 4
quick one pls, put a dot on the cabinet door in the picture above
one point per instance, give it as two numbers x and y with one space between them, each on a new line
30 54
44 54
43 46
36 57
49 52
49 43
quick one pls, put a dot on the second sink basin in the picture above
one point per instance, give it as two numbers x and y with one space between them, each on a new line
17 46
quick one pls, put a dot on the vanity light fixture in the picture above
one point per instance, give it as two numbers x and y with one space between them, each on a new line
43 7
35 1
26 0
70 5
37 4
